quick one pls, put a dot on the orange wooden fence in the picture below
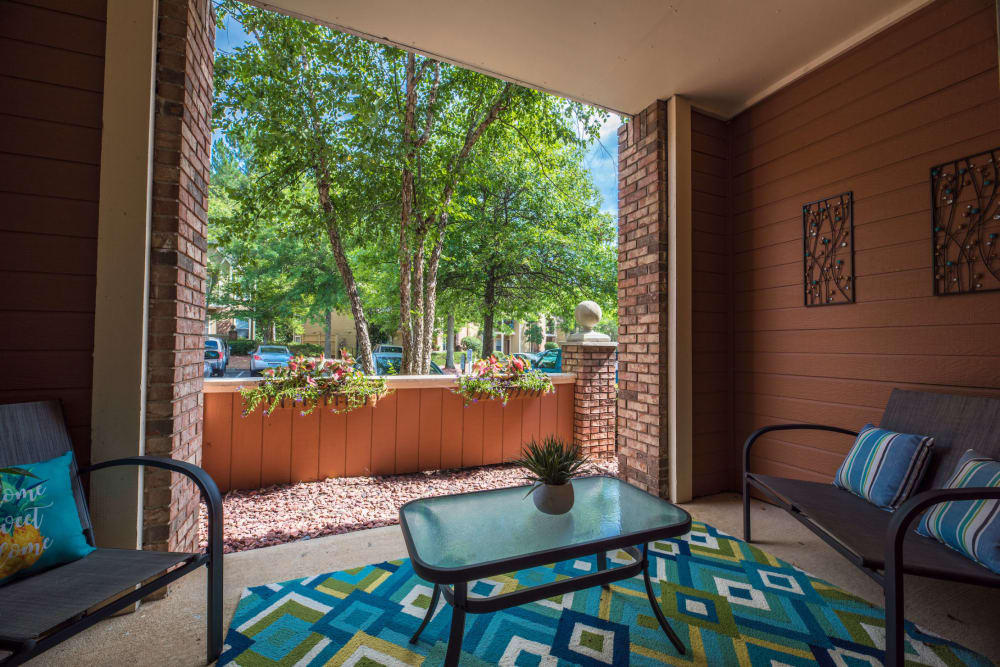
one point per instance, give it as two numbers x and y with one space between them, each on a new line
422 425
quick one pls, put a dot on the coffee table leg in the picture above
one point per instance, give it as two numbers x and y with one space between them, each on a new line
457 625
435 596
602 564
655 604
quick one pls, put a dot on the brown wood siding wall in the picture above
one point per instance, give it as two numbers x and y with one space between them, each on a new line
713 467
51 81
874 121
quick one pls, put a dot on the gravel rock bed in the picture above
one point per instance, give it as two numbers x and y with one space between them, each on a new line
292 512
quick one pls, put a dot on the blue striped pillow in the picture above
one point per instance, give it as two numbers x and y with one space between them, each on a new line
884 467
971 527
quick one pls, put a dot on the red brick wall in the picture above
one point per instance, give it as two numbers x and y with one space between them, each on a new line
182 144
642 299
594 399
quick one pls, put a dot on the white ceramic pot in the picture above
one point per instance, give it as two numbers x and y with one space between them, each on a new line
554 498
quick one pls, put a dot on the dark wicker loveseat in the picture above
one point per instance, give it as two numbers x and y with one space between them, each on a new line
56 604
882 544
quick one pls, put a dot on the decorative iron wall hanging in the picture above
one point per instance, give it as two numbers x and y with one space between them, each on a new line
828 244
965 211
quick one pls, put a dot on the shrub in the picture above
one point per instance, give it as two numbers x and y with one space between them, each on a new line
307 349
551 345
242 346
474 344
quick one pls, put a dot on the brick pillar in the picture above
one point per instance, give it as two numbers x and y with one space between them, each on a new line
181 150
642 300
594 396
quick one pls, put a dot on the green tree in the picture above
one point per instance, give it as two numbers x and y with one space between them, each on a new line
269 270
530 237
292 100
366 147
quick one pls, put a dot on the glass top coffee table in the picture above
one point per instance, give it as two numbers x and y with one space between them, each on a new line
457 539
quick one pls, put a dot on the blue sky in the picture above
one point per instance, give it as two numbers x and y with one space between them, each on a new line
602 160
601 156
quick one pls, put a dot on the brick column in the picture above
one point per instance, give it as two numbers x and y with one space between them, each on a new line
642 300
181 150
594 396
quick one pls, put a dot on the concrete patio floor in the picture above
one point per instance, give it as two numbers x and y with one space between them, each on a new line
172 631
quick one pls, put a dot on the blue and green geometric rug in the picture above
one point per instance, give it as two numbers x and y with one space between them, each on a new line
730 602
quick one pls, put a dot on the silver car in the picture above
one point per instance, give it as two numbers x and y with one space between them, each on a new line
268 356
220 360
212 360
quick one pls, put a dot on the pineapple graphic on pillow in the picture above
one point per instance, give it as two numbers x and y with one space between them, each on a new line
21 540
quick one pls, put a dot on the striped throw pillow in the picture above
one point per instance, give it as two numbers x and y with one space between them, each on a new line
884 467
971 527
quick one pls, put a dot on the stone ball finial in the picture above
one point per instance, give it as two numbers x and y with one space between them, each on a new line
587 315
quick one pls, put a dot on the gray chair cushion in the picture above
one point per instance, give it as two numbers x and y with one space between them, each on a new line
862 528
47 600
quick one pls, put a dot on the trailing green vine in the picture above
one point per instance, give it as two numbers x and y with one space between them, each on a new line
502 380
337 383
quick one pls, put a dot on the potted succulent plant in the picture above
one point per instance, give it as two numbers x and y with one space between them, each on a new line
551 467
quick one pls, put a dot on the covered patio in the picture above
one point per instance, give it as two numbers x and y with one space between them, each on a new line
170 631
743 119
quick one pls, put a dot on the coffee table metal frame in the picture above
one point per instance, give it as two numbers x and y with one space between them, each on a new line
453 583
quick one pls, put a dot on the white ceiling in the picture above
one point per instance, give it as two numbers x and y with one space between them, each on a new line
722 54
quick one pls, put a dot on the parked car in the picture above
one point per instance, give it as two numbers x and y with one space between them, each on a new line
220 344
220 361
526 356
549 361
213 360
389 363
392 349
268 356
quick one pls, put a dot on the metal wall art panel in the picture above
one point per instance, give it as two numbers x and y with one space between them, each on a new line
965 214
828 245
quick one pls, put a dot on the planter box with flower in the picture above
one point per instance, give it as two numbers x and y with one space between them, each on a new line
309 382
502 380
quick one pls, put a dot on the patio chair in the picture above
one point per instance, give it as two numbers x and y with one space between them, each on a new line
45 609
885 545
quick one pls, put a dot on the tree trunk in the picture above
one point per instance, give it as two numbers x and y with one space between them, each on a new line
327 345
489 303
449 357
417 356
351 285
431 298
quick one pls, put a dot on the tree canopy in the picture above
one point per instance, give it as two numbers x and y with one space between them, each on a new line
353 175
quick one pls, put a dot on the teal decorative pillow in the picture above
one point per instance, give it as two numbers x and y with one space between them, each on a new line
971 527
884 467
39 523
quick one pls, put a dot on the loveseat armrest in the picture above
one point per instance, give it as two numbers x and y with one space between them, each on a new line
785 427
206 485
213 552
895 536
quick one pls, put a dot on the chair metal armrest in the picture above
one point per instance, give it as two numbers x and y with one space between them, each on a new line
785 427
213 499
892 581
206 485
914 506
